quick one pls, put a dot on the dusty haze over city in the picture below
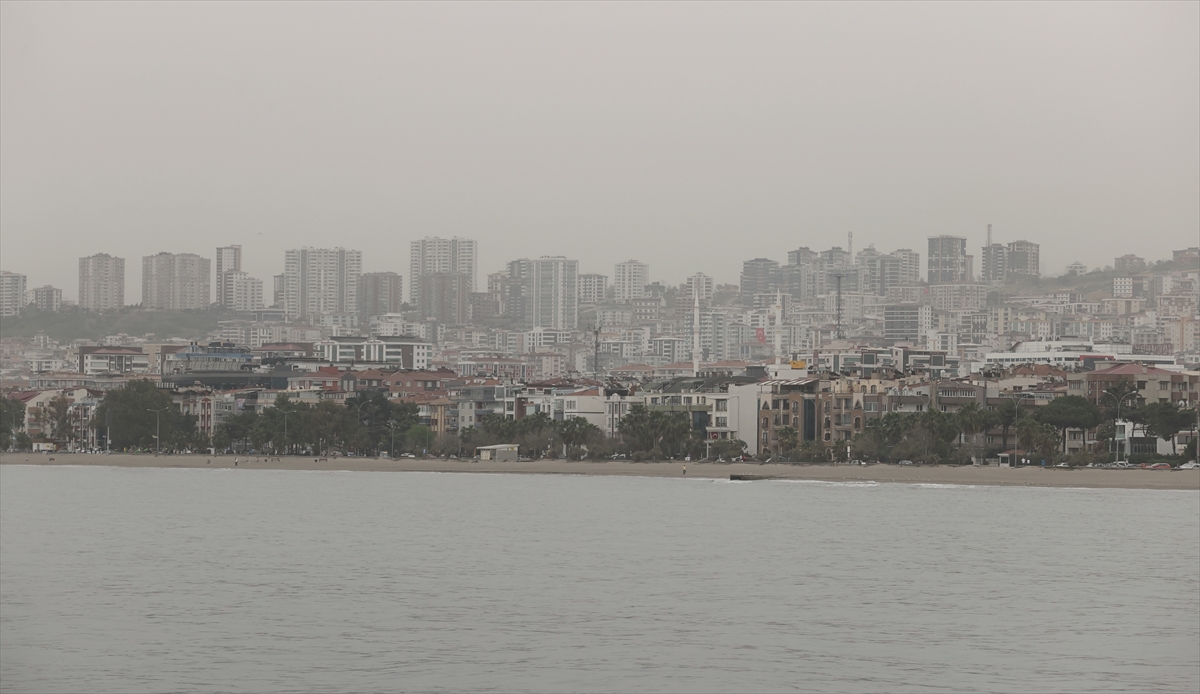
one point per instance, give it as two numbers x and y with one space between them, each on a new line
688 136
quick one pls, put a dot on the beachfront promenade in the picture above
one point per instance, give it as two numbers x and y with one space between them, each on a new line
929 474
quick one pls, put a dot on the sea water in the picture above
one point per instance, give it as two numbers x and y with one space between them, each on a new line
151 580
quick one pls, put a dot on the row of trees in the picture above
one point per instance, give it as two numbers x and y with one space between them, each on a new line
371 423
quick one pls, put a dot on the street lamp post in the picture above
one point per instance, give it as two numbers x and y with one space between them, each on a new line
285 432
1117 417
157 430
392 447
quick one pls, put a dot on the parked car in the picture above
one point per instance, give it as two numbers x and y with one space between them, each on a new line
1193 465
1160 466
906 462
858 462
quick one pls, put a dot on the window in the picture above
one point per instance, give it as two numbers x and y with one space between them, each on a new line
722 406
795 422
766 422
1141 385
687 400
722 421
1163 385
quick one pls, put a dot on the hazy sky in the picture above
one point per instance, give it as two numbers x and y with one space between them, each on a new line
690 136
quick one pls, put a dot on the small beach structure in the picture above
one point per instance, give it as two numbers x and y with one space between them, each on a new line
501 452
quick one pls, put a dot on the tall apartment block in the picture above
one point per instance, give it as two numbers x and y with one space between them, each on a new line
592 288
630 279
702 285
101 282
12 293
948 260
437 255
445 297
910 266
1129 263
380 293
175 281
47 298
320 281
229 259
757 276
545 292
1019 258
241 291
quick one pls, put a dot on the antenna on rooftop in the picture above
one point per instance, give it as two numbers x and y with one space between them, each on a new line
838 277
596 347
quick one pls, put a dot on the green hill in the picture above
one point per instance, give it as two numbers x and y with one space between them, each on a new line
74 324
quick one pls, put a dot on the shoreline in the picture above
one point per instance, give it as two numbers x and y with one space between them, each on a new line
880 473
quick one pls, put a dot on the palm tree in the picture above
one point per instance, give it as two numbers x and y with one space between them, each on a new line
789 438
972 419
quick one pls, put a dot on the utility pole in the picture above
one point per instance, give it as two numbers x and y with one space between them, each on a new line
157 430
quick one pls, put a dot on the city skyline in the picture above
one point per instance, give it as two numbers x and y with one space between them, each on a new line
780 126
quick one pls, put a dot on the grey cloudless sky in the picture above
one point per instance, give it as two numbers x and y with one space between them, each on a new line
691 136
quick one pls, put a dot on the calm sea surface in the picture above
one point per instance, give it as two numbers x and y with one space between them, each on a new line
145 580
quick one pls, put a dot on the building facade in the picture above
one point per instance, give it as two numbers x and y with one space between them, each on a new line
175 281
437 255
948 260
630 279
101 282
320 281
380 293
592 288
12 293
46 298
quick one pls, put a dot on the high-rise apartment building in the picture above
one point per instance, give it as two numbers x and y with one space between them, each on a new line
629 280
592 288
802 255
545 292
320 281
948 260
380 293
702 285
1129 263
437 255
1009 263
910 266
1024 258
242 292
101 282
994 267
176 281
45 298
12 293
757 276
229 259
445 297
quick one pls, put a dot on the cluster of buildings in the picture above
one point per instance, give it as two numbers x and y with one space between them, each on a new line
869 325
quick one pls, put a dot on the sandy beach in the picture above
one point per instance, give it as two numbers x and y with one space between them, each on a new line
1020 477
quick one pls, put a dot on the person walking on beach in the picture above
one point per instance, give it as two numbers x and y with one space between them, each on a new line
685 470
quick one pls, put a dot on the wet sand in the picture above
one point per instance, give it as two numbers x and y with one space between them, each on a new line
940 474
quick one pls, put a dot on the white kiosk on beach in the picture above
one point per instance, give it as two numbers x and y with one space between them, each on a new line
501 452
